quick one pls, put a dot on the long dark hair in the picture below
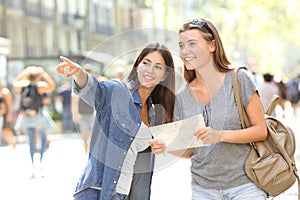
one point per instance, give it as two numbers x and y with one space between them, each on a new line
164 93
210 33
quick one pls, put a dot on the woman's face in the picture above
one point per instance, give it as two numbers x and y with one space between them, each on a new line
151 70
195 51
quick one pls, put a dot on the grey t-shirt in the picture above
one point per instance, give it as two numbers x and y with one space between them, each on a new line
221 165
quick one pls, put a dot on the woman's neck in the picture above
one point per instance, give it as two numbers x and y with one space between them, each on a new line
207 83
144 94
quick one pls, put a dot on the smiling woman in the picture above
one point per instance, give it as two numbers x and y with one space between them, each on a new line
145 99
152 70
209 92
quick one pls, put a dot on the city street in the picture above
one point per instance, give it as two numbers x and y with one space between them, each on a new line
65 159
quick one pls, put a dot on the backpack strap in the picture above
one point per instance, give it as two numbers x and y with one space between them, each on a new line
238 98
273 105
239 102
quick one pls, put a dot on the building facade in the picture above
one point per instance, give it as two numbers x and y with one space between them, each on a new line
40 29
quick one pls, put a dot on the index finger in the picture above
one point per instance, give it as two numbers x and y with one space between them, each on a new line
68 61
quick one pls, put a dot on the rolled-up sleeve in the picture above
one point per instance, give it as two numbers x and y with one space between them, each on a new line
87 93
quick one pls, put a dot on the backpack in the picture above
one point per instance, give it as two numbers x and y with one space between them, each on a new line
30 98
270 164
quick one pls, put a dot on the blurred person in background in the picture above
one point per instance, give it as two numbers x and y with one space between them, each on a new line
268 90
284 95
46 100
119 73
2 111
33 120
293 86
7 116
83 114
63 97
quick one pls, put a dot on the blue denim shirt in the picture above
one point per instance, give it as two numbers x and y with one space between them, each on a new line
116 123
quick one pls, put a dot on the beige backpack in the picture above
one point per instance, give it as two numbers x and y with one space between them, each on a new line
270 163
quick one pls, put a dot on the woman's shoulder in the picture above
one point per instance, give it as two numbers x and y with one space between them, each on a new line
183 93
182 89
113 84
244 73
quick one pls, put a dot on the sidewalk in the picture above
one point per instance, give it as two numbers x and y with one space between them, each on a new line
65 160
21 139
62 165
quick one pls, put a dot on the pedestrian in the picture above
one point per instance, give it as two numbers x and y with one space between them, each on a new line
218 169
119 73
2 111
268 90
120 161
293 87
83 114
63 96
31 118
284 95
7 116
48 121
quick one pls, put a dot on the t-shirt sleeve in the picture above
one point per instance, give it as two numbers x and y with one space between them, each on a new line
247 85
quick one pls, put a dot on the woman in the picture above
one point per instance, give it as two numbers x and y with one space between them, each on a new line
32 119
120 162
7 116
2 111
218 169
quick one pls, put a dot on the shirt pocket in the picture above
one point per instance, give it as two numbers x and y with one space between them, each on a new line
124 127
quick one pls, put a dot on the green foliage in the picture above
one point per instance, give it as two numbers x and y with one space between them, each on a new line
266 30
55 115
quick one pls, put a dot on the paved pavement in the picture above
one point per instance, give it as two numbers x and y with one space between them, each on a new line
65 159
62 166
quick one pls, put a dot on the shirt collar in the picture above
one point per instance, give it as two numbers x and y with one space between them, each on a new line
136 97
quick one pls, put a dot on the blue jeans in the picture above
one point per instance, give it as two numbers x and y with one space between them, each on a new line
43 138
94 194
247 191
68 124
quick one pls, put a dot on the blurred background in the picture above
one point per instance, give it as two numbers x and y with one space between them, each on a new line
104 34
261 34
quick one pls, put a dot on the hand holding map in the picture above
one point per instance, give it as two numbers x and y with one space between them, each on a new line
180 134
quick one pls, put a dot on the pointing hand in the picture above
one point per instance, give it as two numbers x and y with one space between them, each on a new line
67 67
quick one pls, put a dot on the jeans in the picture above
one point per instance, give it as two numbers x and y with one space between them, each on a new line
43 138
94 194
141 183
247 191
68 125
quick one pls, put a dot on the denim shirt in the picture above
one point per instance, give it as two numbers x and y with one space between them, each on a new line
116 123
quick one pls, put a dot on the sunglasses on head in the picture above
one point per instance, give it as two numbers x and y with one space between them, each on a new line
201 23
